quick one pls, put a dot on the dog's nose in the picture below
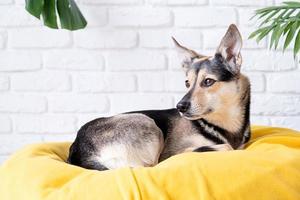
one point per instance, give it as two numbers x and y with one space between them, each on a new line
183 106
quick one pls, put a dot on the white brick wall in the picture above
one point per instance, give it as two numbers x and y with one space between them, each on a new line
43 81
140 17
52 82
98 38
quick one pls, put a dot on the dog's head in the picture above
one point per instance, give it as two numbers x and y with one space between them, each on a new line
213 82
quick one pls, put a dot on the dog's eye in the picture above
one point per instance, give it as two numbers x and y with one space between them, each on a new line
187 84
208 82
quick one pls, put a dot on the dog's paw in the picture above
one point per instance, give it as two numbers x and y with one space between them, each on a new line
223 147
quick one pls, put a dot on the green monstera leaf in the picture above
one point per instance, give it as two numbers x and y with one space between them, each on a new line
66 11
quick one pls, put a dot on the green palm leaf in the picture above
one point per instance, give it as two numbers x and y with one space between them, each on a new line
290 35
281 22
66 11
297 43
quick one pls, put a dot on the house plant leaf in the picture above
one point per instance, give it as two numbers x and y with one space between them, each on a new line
55 12
34 7
297 43
290 35
70 15
49 14
281 22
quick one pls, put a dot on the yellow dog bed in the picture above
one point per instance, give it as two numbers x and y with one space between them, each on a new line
269 168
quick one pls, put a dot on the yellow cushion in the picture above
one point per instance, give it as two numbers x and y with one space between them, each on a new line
269 168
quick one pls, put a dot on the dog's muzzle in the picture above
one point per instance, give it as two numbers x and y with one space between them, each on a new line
183 106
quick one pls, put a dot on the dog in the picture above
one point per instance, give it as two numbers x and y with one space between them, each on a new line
212 116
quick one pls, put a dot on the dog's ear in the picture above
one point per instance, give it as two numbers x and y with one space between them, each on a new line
230 48
187 55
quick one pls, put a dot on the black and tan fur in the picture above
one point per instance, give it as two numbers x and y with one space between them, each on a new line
212 116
